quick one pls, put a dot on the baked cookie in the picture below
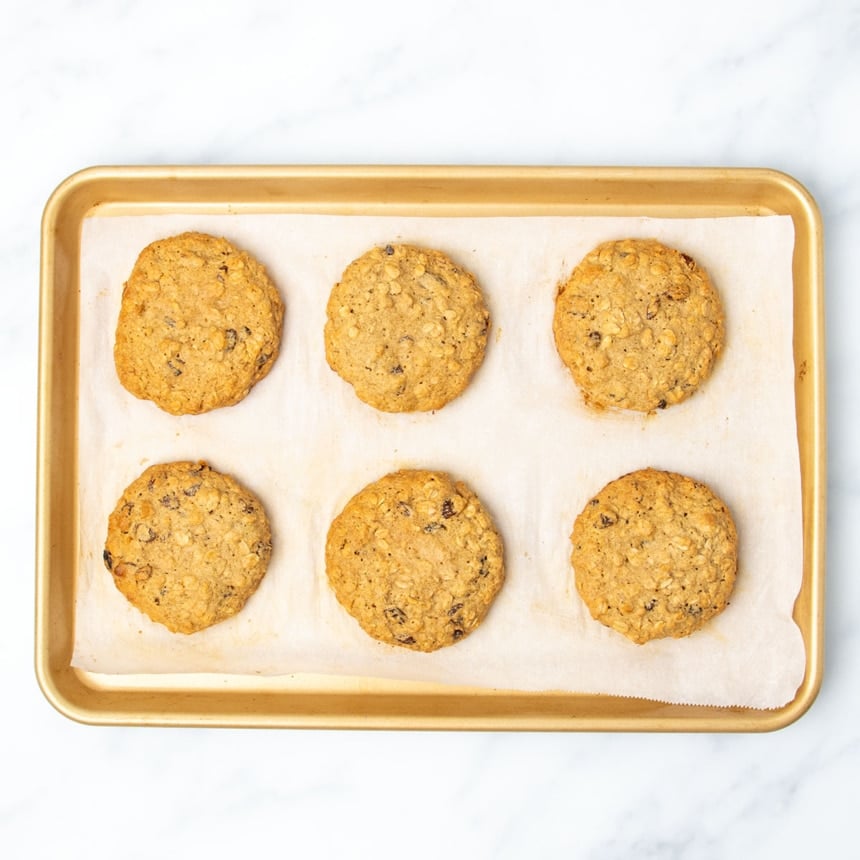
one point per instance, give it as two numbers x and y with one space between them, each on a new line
654 555
187 545
415 559
639 325
199 324
406 327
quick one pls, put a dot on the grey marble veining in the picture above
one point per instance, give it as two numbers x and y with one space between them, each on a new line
735 84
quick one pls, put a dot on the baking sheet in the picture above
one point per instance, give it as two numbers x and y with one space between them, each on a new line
520 436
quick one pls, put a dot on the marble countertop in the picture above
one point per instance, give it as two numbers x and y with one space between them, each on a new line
736 84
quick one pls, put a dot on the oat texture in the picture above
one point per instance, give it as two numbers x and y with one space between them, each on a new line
639 325
199 324
654 555
407 328
415 558
187 545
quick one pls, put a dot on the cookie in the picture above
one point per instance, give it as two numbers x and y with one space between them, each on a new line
187 545
406 327
639 325
199 324
654 555
415 558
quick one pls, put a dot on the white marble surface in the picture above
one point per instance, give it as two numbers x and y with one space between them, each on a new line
772 84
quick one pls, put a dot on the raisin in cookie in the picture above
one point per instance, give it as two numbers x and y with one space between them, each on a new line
187 545
654 555
415 559
406 327
199 324
639 325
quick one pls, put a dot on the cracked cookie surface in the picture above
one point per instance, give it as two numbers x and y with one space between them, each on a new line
406 327
415 558
187 545
639 325
199 324
654 555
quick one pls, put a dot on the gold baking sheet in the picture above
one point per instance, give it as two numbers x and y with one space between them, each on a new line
326 701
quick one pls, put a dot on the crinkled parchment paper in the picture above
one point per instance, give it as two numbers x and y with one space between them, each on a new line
520 436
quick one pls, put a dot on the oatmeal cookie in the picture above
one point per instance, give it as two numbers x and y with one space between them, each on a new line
639 325
187 545
406 327
654 555
415 558
199 324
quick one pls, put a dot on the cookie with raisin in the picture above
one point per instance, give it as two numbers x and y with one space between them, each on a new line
655 554
187 545
639 325
199 325
407 327
415 558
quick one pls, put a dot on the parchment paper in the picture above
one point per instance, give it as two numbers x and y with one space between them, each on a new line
520 436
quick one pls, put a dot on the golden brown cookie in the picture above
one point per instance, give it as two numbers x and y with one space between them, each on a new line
199 324
406 327
187 545
415 558
639 325
654 555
